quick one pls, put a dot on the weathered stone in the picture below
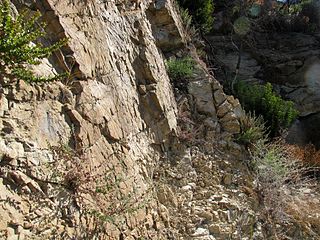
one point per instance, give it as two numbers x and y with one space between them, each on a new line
290 67
219 97
113 120
227 179
3 104
216 86
166 196
211 123
236 107
206 215
11 234
214 229
231 126
167 25
224 108
200 232
164 213
230 116
202 92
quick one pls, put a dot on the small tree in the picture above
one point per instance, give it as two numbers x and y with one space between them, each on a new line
201 11
19 46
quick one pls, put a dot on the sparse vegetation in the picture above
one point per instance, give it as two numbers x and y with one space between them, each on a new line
190 29
252 129
290 17
262 100
283 186
100 194
308 155
189 130
180 70
19 46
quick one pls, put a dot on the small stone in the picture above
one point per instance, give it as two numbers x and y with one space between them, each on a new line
223 215
231 127
25 190
200 232
211 123
219 97
224 108
230 116
216 86
214 229
224 203
186 188
27 225
164 213
19 229
11 234
227 179
202 92
206 215
215 216
166 196
151 87
216 197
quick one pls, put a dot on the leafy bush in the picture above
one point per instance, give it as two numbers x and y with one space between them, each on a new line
19 46
180 70
260 99
202 12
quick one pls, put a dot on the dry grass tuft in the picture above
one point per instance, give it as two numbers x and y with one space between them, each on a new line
309 155
289 194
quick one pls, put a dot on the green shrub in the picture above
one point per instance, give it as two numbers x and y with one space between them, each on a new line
252 129
260 99
190 29
19 46
180 70
202 12
292 17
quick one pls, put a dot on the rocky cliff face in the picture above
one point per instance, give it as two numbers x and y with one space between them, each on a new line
117 107
290 61
78 156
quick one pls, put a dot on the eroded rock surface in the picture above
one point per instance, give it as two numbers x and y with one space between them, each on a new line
99 112
78 156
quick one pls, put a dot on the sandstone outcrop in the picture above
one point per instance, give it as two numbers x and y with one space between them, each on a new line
98 111
80 154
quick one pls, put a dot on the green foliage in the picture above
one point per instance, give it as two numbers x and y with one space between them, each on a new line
277 112
271 162
180 69
252 129
294 9
186 17
274 165
19 46
202 12
242 26
255 10
189 27
294 17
